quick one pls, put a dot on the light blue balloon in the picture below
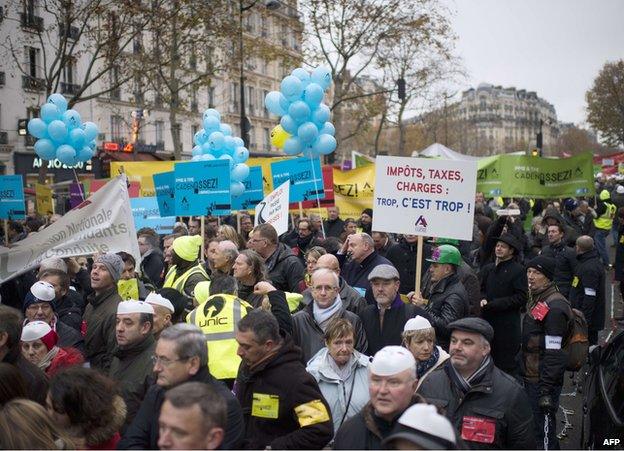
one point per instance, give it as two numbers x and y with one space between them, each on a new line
313 95
92 145
211 124
57 131
321 114
238 142
197 151
309 152
71 118
322 76
49 112
229 144
91 130
299 111
240 172
275 102
229 158
196 157
199 137
225 129
291 87
236 189
292 146
241 154
77 138
289 124
207 157
302 75
307 132
216 141
328 129
212 112
46 149
59 100
84 154
66 154
325 144
37 128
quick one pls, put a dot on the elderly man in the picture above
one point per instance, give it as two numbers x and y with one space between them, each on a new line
163 312
487 406
152 258
334 226
384 321
187 271
180 356
222 260
284 268
364 259
309 324
68 304
193 416
101 312
131 365
283 405
392 383
40 305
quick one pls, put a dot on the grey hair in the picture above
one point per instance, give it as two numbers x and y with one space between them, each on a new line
326 271
211 404
368 240
229 249
189 341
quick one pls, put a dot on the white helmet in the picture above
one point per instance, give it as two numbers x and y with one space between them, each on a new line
422 425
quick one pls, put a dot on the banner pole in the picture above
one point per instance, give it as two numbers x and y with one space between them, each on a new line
79 185
203 243
300 211
419 255
238 222
6 232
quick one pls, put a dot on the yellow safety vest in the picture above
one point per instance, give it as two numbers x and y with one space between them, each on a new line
605 221
217 318
178 284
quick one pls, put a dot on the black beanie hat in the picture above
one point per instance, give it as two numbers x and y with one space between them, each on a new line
545 265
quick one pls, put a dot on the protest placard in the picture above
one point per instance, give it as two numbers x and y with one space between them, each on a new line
303 174
253 193
328 189
165 192
77 194
274 209
12 197
141 172
202 188
353 190
147 214
426 197
43 199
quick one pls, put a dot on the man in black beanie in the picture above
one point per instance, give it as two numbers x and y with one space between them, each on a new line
544 329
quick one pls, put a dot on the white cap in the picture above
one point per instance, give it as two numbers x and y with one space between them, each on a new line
417 323
35 330
425 418
43 291
155 299
392 360
53 263
132 306
620 189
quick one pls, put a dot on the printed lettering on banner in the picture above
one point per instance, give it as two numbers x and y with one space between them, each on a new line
12 197
274 209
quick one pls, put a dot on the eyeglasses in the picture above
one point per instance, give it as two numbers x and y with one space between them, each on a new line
164 361
44 306
323 288
256 240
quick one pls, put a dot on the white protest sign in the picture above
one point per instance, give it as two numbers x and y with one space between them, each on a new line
422 196
274 209
103 223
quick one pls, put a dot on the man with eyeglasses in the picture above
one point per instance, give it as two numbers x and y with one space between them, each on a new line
309 324
180 356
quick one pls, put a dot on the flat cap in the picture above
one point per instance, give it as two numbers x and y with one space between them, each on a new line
386 272
474 325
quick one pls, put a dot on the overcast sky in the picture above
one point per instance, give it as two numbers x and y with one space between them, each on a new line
553 47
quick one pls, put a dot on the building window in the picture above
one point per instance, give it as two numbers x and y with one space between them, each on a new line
116 128
263 95
211 97
252 137
264 26
33 61
234 97
194 129
267 138
251 99
159 126
69 71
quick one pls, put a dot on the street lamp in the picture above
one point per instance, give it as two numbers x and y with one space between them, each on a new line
245 125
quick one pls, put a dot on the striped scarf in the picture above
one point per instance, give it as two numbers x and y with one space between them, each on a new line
464 385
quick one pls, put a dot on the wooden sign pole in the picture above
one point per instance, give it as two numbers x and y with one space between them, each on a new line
419 257
203 243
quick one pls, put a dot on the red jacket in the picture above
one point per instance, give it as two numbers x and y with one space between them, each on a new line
64 358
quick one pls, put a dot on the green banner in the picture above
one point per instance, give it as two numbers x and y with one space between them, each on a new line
534 177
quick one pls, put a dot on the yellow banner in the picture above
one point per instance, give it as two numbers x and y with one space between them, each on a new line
353 190
43 197
267 175
142 172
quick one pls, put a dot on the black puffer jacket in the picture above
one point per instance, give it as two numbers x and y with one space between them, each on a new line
283 380
588 291
496 398
333 228
448 301
152 267
565 257
285 269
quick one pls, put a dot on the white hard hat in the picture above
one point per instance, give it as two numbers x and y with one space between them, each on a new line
392 360
131 306
417 323
422 425
156 299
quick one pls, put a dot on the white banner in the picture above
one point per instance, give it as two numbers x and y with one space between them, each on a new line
274 209
423 196
103 223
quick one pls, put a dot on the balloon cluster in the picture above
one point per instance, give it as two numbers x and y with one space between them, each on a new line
215 141
304 123
61 133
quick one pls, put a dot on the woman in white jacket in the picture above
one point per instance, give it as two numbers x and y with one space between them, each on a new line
419 337
341 372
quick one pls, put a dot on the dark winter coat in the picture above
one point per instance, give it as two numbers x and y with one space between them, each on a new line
143 432
308 335
70 309
403 258
497 397
285 269
588 289
132 367
448 301
351 299
152 266
68 337
570 234
356 274
283 377
469 280
504 286
486 253
619 256
565 257
333 228
100 316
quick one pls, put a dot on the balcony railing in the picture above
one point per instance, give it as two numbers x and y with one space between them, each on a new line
33 83
31 21
69 88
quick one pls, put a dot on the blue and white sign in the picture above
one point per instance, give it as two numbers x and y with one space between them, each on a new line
305 176
164 187
147 214
253 193
12 197
202 188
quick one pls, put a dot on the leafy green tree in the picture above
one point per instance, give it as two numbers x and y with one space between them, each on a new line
605 103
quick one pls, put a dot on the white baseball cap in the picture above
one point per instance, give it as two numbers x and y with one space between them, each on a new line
392 360
417 323
132 306
43 291
155 299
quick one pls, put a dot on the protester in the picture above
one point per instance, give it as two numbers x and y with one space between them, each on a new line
152 258
178 300
403 257
226 232
341 372
310 258
349 228
186 270
194 226
163 312
363 259
618 274
419 338
282 404
310 324
246 226
563 255
306 239
249 269
383 243
12 384
68 304
40 347
333 225
392 385
605 212
365 222
85 406
223 260
129 285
